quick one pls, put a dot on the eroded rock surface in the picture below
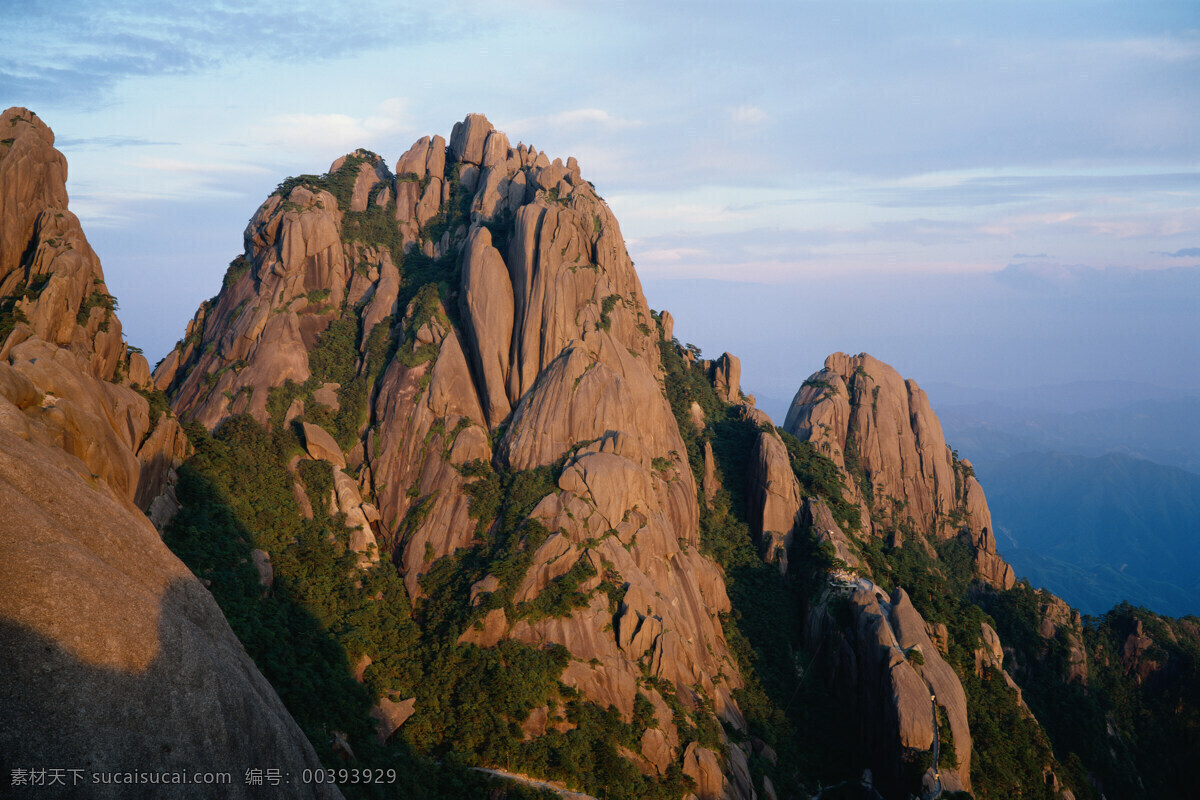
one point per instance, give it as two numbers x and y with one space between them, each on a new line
889 671
116 657
881 433
530 347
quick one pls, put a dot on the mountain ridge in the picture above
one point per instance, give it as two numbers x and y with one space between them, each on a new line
467 502
539 354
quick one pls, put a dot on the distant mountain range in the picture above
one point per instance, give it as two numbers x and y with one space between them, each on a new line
1121 420
1098 530
1093 486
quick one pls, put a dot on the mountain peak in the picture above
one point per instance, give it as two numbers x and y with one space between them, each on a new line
881 432
474 313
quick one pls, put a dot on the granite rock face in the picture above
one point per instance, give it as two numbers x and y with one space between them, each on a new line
893 694
726 376
902 483
774 498
536 350
881 433
470 315
134 665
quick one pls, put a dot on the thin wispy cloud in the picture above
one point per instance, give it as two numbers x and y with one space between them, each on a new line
573 119
774 144
970 190
1020 224
182 167
77 50
672 254
108 142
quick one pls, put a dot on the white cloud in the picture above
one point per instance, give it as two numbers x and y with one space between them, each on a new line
334 132
391 117
748 115
671 254
650 209
1021 223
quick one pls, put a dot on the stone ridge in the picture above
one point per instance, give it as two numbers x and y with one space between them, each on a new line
115 657
537 349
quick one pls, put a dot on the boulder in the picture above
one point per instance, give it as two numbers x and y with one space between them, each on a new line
495 150
327 395
702 766
657 750
468 138
413 162
321 446
390 715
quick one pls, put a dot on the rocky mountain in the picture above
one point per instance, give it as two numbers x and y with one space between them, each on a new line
909 481
444 337
489 530
1024 665
860 465
116 659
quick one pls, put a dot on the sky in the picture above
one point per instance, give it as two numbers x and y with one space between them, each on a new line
983 194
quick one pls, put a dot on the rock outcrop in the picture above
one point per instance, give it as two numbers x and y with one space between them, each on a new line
774 498
893 679
881 433
726 376
819 519
519 338
899 481
449 375
1060 627
116 658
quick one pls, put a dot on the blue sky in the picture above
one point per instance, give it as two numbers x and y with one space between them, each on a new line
981 193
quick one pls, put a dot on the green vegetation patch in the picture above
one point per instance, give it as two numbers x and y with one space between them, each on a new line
97 299
239 267
606 308
820 477
10 314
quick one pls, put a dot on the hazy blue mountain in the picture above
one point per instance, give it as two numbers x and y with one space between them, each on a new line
1052 398
1145 425
1098 530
